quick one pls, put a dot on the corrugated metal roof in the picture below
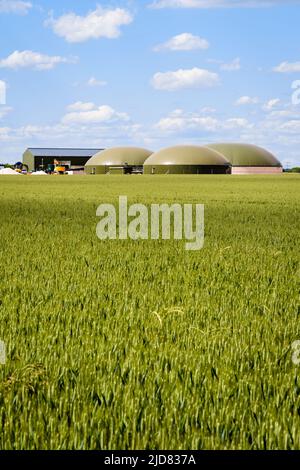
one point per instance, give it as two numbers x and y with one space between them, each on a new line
63 152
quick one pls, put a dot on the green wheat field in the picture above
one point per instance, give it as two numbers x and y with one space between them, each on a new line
143 345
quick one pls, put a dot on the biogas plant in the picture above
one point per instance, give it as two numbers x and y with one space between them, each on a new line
230 158
213 159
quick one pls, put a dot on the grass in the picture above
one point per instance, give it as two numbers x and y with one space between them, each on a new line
143 345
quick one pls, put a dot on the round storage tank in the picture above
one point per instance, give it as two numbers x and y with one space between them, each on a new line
118 160
186 159
248 159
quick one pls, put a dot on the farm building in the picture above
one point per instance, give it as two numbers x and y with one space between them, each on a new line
41 158
246 159
186 160
118 160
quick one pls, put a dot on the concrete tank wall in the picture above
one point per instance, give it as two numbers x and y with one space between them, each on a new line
255 170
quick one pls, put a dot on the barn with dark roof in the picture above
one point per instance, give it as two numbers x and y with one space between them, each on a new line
74 159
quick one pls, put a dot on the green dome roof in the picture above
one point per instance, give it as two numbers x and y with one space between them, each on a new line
119 156
245 154
187 155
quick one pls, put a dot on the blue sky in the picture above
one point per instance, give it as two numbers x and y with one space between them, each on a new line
149 73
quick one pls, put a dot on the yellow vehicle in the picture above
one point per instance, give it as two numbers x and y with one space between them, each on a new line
60 169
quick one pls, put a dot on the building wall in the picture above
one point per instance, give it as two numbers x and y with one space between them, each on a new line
34 163
116 171
256 170
28 159
112 170
184 170
78 162
96 170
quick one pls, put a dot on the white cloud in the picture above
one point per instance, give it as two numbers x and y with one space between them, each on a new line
100 23
280 130
287 67
34 60
93 82
80 106
269 105
284 113
292 126
98 135
245 100
183 42
208 110
15 6
237 123
4 110
218 3
232 66
4 134
89 113
179 121
277 131
184 79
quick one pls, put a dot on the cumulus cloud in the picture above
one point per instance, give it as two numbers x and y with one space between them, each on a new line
183 42
218 3
100 23
184 79
98 135
208 110
271 104
15 6
90 113
292 126
80 106
4 110
287 113
277 130
5 134
232 66
35 60
93 82
245 100
180 121
287 67
237 123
